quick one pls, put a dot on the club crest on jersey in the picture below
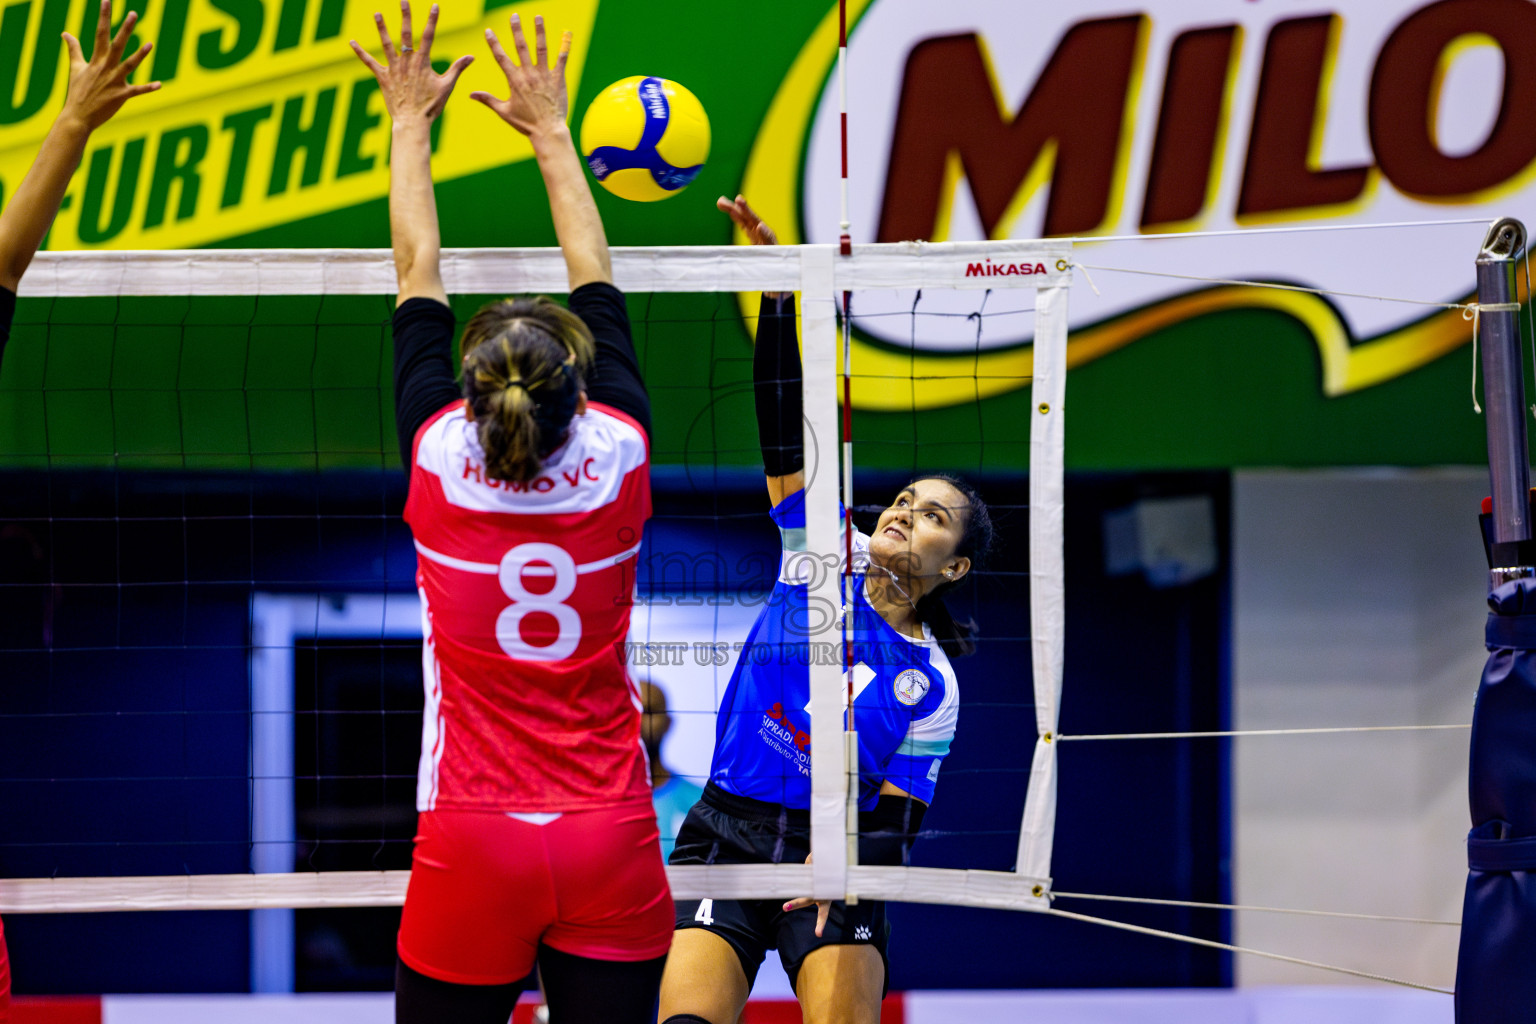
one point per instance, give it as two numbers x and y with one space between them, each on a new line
912 686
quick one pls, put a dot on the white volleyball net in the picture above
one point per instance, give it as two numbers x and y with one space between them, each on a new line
203 450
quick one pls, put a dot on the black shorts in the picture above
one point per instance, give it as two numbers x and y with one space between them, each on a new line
723 828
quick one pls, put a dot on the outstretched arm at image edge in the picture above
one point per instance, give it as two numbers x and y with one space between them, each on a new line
30 212
98 88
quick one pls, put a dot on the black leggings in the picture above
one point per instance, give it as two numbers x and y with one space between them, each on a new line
579 990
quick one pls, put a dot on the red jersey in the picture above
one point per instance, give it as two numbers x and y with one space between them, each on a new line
525 596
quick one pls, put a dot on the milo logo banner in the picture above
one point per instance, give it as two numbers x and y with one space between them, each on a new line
968 119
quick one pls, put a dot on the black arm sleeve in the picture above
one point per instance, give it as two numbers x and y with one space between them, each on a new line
776 378
615 378
7 311
887 832
423 367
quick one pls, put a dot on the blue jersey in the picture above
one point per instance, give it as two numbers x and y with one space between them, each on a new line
905 704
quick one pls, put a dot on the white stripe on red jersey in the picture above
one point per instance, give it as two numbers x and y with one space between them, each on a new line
526 593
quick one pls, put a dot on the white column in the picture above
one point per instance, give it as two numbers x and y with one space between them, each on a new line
272 816
829 773
1046 586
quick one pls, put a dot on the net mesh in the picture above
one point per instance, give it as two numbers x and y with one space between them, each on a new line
209 598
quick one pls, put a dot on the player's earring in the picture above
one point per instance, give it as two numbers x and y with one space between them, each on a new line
949 574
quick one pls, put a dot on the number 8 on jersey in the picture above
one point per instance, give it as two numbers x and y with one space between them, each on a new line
538 559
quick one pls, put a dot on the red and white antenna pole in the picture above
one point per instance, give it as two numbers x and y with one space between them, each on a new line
845 246
845 242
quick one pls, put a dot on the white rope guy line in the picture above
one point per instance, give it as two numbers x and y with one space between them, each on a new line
1270 284
1474 313
1249 907
1091 239
1212 944
1060 738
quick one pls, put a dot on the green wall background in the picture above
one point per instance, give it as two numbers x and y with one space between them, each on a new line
302 383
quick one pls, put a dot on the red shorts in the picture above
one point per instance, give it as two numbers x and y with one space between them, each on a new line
486 889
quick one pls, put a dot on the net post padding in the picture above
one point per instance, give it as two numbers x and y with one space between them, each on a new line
813 270
1047 601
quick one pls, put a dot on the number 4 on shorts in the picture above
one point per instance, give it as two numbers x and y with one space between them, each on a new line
706 914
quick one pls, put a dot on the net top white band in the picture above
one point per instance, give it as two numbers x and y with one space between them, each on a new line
1001 890
711 268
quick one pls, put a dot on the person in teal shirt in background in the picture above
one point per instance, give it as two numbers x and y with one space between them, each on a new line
672 794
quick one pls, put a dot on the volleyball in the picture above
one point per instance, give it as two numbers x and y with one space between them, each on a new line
645 138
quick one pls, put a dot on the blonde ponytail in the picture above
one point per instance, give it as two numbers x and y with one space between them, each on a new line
525 362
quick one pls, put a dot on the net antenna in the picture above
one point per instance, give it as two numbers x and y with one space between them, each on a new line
844 236
845 248
1031 877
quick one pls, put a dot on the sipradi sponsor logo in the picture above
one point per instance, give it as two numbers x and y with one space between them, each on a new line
782 735
778 723
266 116
775 737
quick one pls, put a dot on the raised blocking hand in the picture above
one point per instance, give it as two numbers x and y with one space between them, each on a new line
538 101
99 87
412 89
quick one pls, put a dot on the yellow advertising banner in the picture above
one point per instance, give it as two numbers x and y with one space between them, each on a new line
266 116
